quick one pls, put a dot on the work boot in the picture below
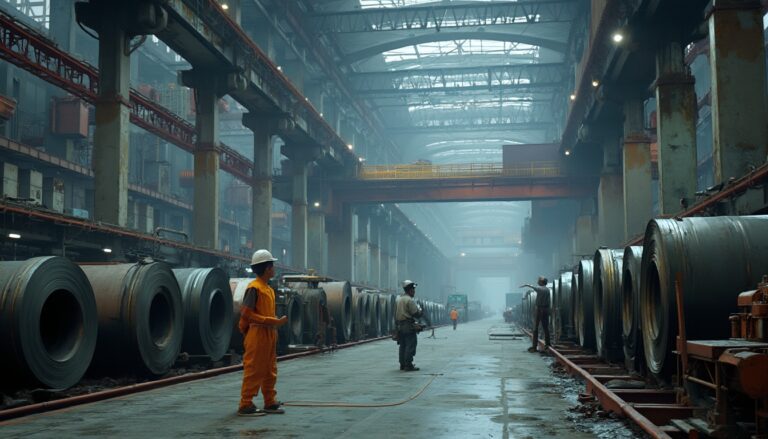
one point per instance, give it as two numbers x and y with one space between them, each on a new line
411 368
274 409
532 349
250 410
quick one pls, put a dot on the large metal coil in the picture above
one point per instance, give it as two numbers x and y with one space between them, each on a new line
630 309
339 296
358 316
141 316
237 286
529 309
289 303
373 323
607 298
315 313
565 305
48 323
207 303
585 321
384 313
716 259
392 310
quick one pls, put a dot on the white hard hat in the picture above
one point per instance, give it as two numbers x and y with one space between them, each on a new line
261 256
408 283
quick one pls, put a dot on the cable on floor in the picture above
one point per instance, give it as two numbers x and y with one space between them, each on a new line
362 405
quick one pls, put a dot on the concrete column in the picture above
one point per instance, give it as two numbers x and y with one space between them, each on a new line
402 261
676 128
206 186
362 249
299 215
261 189
63 27
384 238
111 136
638 199
610 208
585 230
739 110
316 241
375 276
340 246
393 265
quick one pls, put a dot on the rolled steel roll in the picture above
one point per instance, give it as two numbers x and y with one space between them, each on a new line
585 305
339 296
49 323
315 304
373 326
141 317
289 303
208 309
717 258
392 310
565 305
237 286
358 309
630 308
607 298
384 313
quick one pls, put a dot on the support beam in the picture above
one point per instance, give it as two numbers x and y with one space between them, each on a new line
340 245
205 221
375 274
676 128
111 135
299 215
316 241
638 199
261 190
362 248
739 110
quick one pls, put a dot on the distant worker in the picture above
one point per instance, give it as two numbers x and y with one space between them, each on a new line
406 314
454 317
259 324
542 312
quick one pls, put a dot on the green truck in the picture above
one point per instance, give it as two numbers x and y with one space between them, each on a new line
461 303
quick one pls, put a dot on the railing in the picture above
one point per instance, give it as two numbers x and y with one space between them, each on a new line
469 170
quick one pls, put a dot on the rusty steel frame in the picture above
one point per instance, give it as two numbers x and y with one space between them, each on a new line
33 52
607 398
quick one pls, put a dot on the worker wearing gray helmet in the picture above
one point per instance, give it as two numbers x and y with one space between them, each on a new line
406 314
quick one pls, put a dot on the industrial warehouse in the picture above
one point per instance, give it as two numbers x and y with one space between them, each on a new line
384 218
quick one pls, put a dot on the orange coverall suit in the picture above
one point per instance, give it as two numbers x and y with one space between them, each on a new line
454 317
259 327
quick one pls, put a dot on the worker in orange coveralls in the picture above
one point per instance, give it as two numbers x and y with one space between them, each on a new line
259 324
454 317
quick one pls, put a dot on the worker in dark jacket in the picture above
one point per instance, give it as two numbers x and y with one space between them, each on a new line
543 303
406 315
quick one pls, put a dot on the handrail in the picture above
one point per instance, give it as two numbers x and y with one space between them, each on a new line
465 170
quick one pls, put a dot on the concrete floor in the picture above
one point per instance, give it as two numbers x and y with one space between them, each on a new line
483 389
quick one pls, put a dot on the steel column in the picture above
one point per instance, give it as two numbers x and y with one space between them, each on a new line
299 215
739 110
638 200
206 185
261 189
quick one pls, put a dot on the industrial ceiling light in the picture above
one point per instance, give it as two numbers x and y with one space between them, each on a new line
317 204
567 152
361 159
279 68
350 146
224 6
595 83
463 254
107 250
321 114
573 97
14 236
617 37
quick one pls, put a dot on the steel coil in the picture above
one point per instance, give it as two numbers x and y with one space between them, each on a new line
384 314
358 314
207 303
289 303
584 305
141 318
630 309
607 300
565 305
716 259
315 313
392 310
49 323
339 296
373 326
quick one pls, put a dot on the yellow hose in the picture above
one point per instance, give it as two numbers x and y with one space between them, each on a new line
361 405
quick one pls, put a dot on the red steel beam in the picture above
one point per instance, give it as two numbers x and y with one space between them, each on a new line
38 55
